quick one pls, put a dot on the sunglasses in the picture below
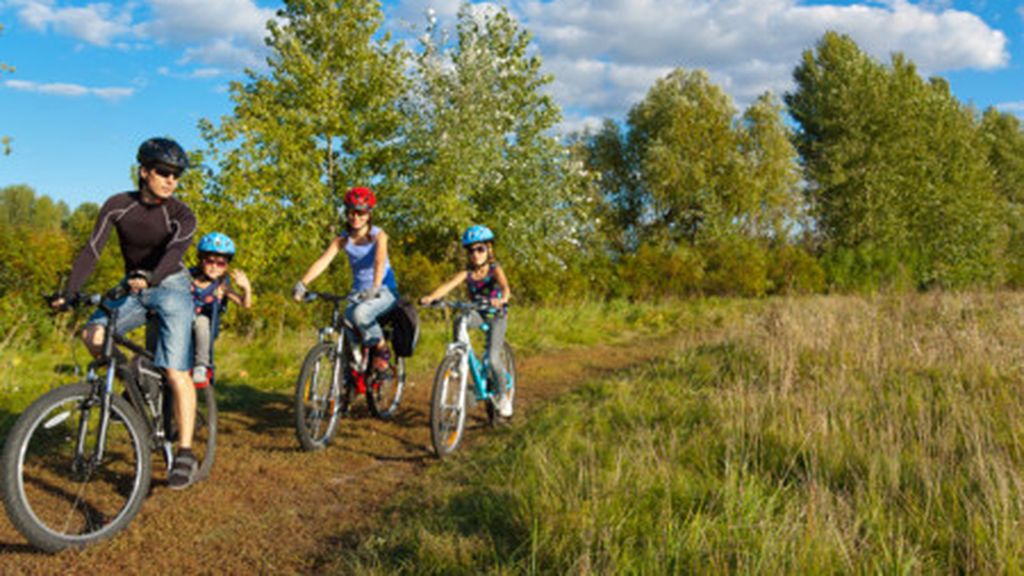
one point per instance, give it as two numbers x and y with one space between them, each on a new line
167 172
218 261
357 213
477 249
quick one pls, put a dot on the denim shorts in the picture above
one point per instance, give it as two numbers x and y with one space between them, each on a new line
172 302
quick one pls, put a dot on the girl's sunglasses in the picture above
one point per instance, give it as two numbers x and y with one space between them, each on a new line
478 249
218 261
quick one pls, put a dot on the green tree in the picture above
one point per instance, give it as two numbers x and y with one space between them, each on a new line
324 118
771 204
480 148
895 165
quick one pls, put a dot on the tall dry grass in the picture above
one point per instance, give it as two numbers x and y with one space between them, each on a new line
814 435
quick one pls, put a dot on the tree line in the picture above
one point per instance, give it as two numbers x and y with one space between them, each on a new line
865 176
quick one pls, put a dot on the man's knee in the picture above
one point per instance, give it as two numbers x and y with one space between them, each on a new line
92 335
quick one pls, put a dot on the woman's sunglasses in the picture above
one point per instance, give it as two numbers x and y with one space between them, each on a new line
218 261
479 249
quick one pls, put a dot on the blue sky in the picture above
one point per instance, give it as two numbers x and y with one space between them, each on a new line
93 79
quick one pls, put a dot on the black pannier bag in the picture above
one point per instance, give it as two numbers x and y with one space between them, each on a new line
405 327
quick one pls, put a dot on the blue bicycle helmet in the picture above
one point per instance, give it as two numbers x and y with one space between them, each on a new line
216 243
476 234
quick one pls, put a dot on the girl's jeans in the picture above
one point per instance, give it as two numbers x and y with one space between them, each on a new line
495 343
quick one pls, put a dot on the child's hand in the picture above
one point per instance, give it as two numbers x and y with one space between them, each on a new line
240 279
426 301
496 303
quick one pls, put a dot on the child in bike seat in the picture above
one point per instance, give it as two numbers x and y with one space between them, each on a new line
485 282
211 290
373 280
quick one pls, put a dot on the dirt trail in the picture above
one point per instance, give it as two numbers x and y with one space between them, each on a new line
271 508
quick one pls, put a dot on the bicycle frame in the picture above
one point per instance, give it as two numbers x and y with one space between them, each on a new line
340 331
469 363
111 357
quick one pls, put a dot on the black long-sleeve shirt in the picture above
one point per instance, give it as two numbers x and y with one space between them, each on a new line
153 237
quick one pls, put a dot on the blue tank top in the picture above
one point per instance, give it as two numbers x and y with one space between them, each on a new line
360 259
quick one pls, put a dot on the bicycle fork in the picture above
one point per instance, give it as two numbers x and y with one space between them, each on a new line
81 459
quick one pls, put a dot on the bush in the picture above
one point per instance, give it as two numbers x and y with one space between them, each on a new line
736 266
792 270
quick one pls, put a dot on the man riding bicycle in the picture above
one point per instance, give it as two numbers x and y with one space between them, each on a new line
154 229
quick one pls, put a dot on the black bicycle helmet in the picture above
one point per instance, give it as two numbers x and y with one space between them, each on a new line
162 151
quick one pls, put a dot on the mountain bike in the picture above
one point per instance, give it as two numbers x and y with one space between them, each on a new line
335 370
77 464
448 404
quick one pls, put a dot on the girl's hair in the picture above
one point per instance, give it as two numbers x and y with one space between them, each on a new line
491 259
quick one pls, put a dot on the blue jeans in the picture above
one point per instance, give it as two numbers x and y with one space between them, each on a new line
172 302
364 315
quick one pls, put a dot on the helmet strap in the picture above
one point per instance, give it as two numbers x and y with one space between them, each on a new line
147 195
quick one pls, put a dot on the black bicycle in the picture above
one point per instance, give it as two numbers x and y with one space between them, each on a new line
335 370
77 464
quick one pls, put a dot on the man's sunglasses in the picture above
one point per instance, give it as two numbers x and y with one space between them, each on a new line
218 261
167 172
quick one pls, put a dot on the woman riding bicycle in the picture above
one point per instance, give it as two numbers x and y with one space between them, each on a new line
373 280
485 282
154 229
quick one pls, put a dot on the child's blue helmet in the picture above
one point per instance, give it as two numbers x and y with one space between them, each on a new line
216 243
476 234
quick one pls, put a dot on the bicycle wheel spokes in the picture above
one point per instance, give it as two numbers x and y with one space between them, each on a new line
447 408
383 395
317 398
58 499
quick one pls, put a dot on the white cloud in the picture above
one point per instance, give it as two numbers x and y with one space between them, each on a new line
201 21
605 54
222 52
1012 107
226 33
97 24
70 90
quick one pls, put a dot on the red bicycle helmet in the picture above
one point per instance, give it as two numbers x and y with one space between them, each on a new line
361 199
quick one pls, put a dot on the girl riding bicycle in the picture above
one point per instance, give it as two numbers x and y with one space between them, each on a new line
485 282
211 290
373 280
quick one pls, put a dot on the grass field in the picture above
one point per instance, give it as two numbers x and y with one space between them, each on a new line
819 435
271 362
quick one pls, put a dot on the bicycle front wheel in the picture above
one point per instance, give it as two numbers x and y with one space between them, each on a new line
383 395
316 397
59 497
447 407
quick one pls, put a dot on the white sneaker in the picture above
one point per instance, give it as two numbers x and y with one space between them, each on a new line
505 406
199 373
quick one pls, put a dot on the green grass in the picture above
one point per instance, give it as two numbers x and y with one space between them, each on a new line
269 362
820 435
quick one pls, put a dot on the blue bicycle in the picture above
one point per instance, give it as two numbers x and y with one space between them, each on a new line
448 405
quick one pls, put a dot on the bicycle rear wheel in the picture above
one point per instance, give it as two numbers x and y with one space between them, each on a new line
447 407
317 397
384 395
204 437
509 361
58 500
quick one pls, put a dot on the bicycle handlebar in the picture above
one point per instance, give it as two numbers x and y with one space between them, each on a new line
462 305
